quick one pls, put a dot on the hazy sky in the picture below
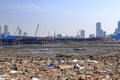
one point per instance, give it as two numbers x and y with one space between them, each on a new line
65 16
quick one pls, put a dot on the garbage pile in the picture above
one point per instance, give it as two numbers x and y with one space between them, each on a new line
101 68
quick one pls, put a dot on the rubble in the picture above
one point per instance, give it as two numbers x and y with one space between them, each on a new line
84 67
40 70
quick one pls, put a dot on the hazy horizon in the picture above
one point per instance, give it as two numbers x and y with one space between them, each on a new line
63 16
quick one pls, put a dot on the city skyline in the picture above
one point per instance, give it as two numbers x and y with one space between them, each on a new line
64 16
81 33
99 31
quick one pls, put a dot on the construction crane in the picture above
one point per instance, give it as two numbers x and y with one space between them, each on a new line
78 34
54 33
16 30
37 30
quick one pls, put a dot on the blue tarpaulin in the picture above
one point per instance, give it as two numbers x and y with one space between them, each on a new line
117 36
8 38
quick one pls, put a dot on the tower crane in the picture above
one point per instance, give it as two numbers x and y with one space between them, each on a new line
37 30
16 30
78 33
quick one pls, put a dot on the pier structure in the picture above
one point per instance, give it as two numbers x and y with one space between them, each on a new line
20 40
27 40
81 39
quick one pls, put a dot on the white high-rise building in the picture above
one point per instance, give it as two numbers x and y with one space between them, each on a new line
19 32
6 30
82 33
98 29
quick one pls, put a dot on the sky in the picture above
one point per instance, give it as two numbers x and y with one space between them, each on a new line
62 16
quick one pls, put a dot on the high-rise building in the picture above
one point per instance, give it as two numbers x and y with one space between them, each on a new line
0 29
19 32
6 30
118 26
98 29
82 33
116 31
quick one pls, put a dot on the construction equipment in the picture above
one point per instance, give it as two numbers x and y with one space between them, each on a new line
37 30
54 34
78 34
16 30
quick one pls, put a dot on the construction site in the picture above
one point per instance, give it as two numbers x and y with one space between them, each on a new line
23 39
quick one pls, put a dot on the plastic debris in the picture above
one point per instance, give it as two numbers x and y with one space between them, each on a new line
13 72
35 78
50 65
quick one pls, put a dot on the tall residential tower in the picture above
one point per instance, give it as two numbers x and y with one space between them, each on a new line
98 29
6 30
82 33
118 27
